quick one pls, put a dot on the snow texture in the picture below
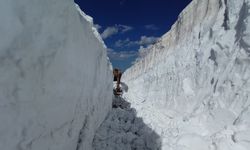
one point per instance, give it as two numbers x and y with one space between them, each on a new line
193 86
123 130
55 78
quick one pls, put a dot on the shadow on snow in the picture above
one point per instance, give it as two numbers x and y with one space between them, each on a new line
123 130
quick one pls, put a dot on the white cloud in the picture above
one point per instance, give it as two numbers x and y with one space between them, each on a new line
125 43
121 55
121 43
125 28
151 27
109 31
97 26
144 41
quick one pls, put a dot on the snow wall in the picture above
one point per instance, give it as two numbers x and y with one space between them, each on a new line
193 86
55 78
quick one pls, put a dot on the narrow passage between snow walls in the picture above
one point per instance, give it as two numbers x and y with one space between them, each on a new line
123 130
190 90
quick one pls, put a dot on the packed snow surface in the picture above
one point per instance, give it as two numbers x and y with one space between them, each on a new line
193 86
123 130
55 79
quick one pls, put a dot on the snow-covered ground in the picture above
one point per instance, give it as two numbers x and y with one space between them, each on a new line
193 86
55 78
123 130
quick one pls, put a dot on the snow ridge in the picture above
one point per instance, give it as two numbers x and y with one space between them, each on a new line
91 22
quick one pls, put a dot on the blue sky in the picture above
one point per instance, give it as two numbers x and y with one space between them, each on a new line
125 25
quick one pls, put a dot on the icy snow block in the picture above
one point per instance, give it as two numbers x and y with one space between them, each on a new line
55 79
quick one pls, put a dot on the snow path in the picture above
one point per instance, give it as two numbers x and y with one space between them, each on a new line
123 130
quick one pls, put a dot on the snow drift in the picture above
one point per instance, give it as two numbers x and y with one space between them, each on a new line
193 86
55 78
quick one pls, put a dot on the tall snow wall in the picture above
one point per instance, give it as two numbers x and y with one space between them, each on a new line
195 82
55 78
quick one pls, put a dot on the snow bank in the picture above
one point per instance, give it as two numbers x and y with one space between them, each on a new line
193 86
55 78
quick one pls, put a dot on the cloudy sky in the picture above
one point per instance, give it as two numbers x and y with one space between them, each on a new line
127 25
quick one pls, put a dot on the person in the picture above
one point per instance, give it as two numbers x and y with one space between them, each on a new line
117 77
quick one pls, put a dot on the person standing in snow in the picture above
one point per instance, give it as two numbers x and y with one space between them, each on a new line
117 77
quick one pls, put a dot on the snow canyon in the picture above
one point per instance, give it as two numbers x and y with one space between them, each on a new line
191 88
